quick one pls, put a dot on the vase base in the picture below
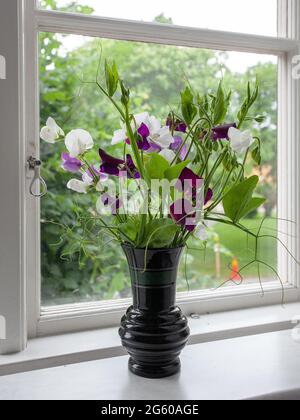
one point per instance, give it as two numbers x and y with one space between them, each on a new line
154 372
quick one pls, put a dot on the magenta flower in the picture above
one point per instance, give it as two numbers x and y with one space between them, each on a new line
221 132
144 133
142 141
177 145
110 165
154 148
113 166
131 168
183 213
209 196
69 164
189 179
176 125
191 184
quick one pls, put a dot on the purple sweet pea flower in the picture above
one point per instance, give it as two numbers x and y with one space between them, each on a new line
144 133
154 148
221 132
131 168
113 166
99 174
142 142
69 164
176 125
177 145
110 165
182 212
189 179
209 196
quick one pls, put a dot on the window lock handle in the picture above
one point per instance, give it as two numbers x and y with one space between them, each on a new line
35 166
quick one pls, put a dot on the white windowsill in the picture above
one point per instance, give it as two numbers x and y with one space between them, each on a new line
61 350
264 366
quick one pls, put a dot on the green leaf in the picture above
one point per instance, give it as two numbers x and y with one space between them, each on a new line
189 111
129 230
157 166
175 171
161 233
248 103
237 201
253 204
220 109
256 155
125 94
260 118
112 78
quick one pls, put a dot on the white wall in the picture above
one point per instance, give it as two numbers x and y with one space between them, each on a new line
12 302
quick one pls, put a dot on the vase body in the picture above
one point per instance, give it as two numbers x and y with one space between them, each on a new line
154 331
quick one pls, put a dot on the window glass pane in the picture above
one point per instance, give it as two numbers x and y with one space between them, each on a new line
247 16
74 267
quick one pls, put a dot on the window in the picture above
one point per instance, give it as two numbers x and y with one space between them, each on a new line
66 52
155 73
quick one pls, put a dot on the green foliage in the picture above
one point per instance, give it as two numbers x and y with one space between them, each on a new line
248 103
256 155
157 166
188 109
160 233
112 78
220 105
174 172
238 202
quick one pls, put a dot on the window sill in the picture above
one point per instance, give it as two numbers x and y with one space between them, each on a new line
261 367
67 349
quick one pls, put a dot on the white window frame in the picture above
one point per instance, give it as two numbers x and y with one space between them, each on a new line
77 317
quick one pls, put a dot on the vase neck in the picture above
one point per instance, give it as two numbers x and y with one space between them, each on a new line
154 298
153 276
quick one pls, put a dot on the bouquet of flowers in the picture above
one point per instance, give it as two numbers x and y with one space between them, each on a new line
173 176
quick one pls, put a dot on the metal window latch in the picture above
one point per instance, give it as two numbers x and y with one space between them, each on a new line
35 165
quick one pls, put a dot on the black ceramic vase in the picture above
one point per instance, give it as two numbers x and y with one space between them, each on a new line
154 331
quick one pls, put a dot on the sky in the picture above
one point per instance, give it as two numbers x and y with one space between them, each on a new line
246 16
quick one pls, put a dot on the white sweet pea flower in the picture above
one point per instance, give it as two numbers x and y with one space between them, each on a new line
141 118
51 132
240 140
78 186
78 142
121 135
168 154
200 232
162 137
82 187
87 178
158 135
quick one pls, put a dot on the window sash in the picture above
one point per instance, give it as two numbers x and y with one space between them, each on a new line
43 321
77 24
